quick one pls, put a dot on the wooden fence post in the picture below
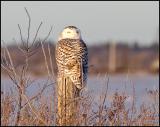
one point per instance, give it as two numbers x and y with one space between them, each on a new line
67 101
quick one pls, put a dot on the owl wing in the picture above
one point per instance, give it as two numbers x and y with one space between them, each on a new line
72 60
84 62
80 65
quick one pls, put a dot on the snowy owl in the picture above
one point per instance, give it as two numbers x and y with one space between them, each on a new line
72 56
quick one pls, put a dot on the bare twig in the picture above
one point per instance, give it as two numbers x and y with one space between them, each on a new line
51 63
29 25
38 94
45 57
103 103
20 32
36 34
45 53
47 35
31 107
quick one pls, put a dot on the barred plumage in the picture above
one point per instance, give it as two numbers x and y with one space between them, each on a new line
72 57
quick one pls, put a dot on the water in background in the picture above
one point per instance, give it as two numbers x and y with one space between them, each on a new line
97 85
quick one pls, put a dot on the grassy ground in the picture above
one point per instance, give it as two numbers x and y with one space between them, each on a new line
41 110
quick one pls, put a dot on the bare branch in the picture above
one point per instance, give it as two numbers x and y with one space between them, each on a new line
10 59
45 57
21 80
19 47
36 114
36 34
47 35
5 68
29 25
20 32
38 94
105 93
51 63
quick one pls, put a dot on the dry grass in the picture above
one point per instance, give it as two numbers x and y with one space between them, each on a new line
20 109
40 111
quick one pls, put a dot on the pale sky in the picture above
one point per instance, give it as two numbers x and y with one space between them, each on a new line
98 21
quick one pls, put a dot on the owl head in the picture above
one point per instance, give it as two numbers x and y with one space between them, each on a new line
70 32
